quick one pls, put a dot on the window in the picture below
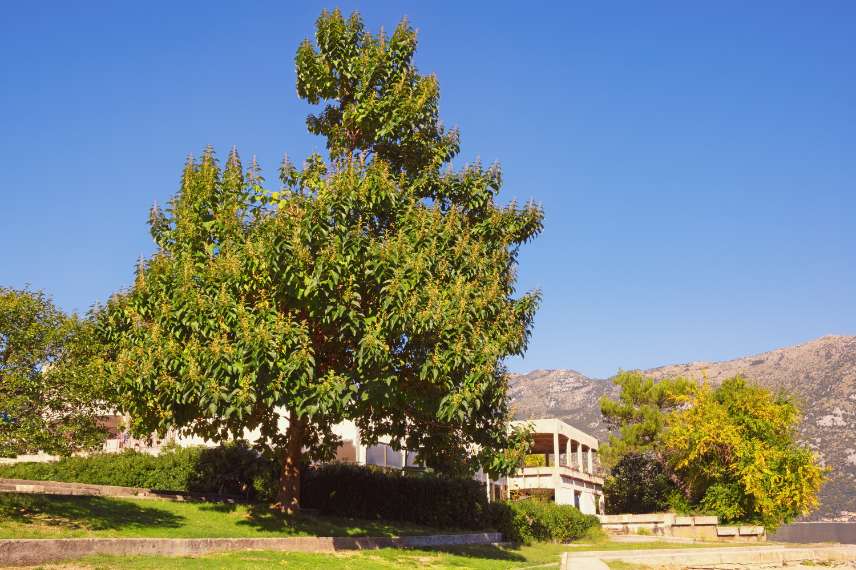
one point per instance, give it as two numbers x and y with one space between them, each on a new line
376 455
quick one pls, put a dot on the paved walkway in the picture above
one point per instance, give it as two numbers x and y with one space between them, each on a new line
777 555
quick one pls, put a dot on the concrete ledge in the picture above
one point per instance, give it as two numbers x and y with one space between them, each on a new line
38 551
712 556
660 518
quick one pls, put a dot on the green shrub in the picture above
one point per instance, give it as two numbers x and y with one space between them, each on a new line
535 460
533 520
372 493
233 469
638 483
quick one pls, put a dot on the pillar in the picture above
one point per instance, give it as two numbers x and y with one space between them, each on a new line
590 460
556 449
568 450
579 456
360 449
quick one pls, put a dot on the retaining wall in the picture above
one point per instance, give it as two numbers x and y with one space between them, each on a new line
85 489
39 551
690 527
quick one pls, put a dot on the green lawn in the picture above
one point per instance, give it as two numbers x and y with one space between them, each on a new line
53 516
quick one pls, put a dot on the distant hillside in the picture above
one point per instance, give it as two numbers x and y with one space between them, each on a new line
821 373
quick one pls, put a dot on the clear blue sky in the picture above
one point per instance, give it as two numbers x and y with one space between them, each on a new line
696 160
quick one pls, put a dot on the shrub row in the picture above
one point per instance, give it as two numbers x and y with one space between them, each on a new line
371 493
334 489
232 469
535 520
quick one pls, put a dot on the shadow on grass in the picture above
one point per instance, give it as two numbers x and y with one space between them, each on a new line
487 551
92 513
262 517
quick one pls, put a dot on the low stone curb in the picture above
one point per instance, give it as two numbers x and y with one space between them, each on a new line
20 552
683 558
86 489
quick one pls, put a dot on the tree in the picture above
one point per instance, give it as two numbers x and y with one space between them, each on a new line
49 396
735 452
729 451
376 286
640 413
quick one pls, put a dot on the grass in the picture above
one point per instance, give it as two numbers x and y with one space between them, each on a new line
622 565
475 557
54 516
540 556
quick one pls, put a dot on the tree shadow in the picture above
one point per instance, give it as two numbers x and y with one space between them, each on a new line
263 517
88 513
219 507
488 551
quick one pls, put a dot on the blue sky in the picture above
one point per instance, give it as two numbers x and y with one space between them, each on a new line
696 160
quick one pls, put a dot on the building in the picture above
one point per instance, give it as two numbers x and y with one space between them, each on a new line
569 471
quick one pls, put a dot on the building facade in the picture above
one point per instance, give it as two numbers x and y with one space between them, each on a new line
569 472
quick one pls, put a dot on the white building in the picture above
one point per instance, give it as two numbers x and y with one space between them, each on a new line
568 471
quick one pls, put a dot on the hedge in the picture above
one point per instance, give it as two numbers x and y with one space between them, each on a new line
372 493
231 470
535 520
363 492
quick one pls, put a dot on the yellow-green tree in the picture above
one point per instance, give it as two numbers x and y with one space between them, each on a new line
735 452
730 450
50 394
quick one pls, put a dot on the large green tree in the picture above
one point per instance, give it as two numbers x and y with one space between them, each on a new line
50 399
376 285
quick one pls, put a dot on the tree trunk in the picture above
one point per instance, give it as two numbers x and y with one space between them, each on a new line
288 497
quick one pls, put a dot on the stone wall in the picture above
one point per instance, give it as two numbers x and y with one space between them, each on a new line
672 525
22 552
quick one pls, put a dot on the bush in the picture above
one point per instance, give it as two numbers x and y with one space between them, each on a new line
233 469
372 493
533 520
637 484
535 460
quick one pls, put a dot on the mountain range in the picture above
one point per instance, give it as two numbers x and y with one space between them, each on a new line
821 374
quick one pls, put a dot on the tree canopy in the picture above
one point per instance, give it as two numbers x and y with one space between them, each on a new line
735 453
50 399
730 450
638 417
377 285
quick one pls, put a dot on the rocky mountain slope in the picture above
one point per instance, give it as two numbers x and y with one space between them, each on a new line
821 373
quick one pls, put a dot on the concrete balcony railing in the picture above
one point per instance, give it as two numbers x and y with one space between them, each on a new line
563 471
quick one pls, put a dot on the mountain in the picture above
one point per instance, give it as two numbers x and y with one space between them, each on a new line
821 374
